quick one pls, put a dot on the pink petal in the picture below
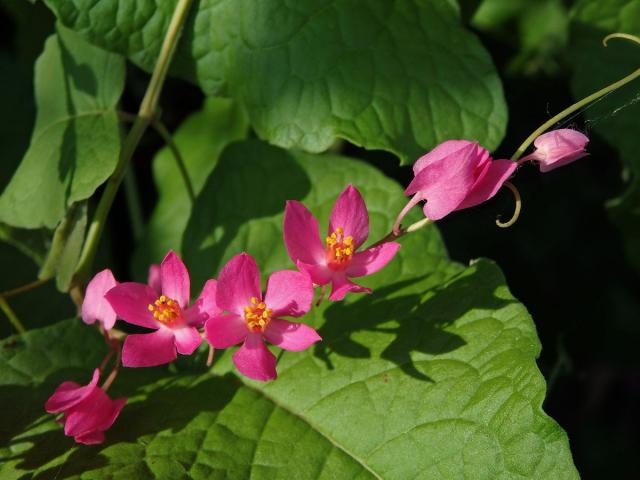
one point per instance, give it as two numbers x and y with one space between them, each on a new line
350 213
153 279
289 293
187 340
69 394
445 149
341 286
194 316
371 260
239 280
175 279
290 335
320 274
206 301
95 306
488 184
446 182
96 414
254 360
149 349
223 331
109 416
301 235
90 438
131 301
87 416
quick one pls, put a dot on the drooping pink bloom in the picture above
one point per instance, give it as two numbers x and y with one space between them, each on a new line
337 260
557 148
95 306
167 312
253 318
87 411
457 174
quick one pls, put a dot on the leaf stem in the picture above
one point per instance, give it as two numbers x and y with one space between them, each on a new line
585 101
162 130
168 140
11 315
24 288
146 113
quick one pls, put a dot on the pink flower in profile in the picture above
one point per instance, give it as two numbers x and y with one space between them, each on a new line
167 312
457 174
254 318
87 411
95 306
337 260
558 148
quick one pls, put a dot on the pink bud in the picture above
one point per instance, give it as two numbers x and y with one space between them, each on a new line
557 148
87 411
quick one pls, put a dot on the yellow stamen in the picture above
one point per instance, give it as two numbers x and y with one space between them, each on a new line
165 310
257 316
339 249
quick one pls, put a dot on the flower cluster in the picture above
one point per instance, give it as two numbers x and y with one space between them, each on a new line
234 310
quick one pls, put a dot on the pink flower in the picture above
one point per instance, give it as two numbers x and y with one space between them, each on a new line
95 306
254 318
167 312
557 148
87 411
456 174
338 260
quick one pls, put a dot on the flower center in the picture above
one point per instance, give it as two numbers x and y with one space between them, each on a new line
165 310
257 316
339 250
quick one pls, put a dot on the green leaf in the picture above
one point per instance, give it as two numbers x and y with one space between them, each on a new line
200 140
76 140
399 76
541 32
431 376
240 207
615 117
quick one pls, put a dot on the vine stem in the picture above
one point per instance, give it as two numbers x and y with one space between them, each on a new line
11 315
146 113
585 101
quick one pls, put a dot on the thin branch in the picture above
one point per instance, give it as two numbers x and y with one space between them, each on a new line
11 315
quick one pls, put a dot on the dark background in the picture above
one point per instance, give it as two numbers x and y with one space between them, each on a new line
563 259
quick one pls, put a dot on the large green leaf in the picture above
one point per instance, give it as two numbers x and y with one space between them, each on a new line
595 67
399 76
200 139
431 376
76 141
